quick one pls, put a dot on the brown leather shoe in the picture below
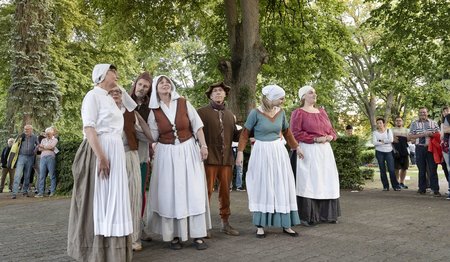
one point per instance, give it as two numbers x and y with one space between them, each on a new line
229 230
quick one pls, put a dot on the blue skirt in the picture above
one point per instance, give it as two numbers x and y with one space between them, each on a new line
276 219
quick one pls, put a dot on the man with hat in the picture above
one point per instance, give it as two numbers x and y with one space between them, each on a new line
220 131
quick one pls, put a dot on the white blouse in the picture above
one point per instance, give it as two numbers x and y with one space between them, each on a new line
386 139
171 111
99 111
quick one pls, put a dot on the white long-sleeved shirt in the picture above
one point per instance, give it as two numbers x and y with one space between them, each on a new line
383 141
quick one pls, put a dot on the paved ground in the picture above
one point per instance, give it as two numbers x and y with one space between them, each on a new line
375 226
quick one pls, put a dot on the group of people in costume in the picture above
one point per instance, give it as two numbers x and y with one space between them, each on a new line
191 151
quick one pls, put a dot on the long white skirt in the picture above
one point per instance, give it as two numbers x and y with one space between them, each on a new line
270 180
134 186
317 175
178 204
112 213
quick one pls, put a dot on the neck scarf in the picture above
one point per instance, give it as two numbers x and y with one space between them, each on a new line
216 106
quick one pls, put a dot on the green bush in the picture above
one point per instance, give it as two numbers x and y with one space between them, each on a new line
367 156
347 154
64 160
367 173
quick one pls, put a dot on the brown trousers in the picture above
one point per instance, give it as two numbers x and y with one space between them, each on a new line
224 176
5 172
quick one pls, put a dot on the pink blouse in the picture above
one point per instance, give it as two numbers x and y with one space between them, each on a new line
306 126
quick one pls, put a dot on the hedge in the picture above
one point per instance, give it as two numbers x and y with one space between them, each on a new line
367 157
347 152
64 159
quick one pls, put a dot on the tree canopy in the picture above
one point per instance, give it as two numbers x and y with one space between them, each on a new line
365 58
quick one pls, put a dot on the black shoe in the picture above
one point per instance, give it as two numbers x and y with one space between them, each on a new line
200 244
13 197
175 244
263 235
293 234
403 186
422 192
397 189
308 224
436 194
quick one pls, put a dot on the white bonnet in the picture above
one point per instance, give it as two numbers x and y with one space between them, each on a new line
273 92
302 91
154 103
99 72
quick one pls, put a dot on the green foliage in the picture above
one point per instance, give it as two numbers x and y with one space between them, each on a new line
34 94
367 173
367 156
347 154
64 159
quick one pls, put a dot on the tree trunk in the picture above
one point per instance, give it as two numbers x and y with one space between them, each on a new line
247 55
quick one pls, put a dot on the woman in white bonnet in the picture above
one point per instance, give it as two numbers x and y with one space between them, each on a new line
270 180
100 221
317 180
177 206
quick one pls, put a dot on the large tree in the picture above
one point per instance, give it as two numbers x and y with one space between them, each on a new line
33 95
247 53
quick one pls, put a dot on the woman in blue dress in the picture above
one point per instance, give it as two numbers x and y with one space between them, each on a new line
270 180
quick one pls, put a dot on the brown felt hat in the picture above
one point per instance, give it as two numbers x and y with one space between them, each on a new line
220 84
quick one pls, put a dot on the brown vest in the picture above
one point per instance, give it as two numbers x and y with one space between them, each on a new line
130 132
182 128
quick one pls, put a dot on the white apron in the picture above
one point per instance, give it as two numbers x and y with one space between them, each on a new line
317 175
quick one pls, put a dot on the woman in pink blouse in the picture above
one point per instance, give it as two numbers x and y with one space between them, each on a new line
317 180
48 162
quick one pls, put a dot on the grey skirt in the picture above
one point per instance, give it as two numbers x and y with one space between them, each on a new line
318 210
82 245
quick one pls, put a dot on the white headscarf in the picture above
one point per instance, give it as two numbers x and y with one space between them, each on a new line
127 101
273 92
99 72
154 102
302 91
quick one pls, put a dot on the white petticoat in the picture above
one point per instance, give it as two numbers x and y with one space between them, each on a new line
177 202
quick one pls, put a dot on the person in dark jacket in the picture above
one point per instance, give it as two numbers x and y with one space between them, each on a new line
5 169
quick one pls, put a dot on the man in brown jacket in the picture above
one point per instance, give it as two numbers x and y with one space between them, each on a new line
220 131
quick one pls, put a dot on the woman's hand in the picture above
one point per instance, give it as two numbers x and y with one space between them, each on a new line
240 158
300 153
323 139
204 152
103 167
152 151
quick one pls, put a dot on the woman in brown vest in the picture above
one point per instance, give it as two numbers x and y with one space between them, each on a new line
135 128
177 205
